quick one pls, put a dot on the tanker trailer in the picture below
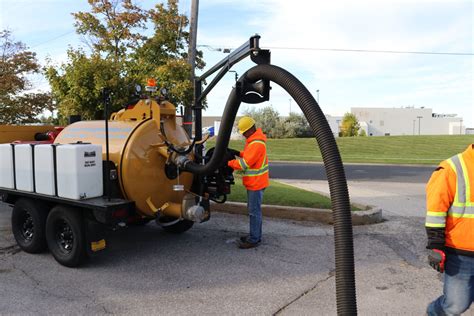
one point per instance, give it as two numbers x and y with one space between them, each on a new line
136 149
140 137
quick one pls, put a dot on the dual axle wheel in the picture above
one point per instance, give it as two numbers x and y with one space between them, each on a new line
62 230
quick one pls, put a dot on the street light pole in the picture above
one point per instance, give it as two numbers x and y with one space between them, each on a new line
290 105
419 123
317 95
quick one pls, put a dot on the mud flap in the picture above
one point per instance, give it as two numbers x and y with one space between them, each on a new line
95 237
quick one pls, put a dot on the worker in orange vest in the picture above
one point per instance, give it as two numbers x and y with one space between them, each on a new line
450 229
253 163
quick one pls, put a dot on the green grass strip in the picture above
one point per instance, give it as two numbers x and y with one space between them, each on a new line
282 194
429 150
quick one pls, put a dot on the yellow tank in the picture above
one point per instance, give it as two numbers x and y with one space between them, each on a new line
136 146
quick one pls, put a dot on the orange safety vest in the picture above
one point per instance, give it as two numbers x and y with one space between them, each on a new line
450 200
253 162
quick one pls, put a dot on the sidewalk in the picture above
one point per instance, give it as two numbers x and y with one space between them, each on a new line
394 198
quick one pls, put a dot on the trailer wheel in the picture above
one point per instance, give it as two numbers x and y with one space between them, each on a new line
28 225
66 236
174 225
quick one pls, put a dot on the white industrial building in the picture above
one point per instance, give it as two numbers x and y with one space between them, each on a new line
385 122
334 124
407 121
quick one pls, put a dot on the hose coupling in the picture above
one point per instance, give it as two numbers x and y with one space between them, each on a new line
196 213
181 161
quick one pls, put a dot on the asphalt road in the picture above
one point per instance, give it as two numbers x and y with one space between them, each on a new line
146 271
356 172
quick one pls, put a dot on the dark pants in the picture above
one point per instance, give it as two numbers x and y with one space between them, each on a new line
254 206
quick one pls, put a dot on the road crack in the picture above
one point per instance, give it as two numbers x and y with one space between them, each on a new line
330 275
9 250
37 285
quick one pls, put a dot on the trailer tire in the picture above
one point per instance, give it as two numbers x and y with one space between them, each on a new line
173 225
65 235
28 225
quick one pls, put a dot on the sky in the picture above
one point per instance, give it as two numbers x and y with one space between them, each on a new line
295 31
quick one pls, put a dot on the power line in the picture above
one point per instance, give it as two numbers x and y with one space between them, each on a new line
356 50
52 39
375 51
216 49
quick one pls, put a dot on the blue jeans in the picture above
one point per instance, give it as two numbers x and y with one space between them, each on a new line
254 206
458 291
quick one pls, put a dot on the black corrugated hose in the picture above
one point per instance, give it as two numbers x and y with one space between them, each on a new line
343 237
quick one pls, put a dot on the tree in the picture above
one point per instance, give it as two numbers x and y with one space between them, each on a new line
122 57
112 27
164 55
350 125
268 119
78 85
16 62
296 125
274 126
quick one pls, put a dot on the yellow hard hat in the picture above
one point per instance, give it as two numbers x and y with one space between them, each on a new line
245 123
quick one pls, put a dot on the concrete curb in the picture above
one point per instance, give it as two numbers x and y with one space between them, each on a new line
371 216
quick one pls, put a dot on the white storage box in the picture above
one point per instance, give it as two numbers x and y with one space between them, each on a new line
79 171
6 167
44 169
24 167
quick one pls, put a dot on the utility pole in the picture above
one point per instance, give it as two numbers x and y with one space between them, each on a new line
419 122
188 113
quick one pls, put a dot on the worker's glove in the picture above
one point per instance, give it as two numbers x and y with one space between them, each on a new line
230 155
437 259
233 152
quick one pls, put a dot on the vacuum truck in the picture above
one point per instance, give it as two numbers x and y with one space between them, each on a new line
139 164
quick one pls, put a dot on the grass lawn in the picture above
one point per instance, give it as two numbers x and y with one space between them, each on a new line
382 149
281 194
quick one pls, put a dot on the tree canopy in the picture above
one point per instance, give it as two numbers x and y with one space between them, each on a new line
123 53
17 105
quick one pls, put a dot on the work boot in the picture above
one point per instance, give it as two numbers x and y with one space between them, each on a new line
247 244
245 238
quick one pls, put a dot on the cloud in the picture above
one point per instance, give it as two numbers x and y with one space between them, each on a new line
368 78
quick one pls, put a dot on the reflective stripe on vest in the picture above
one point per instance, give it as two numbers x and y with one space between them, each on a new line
461 207
263 168
242 163
435 219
